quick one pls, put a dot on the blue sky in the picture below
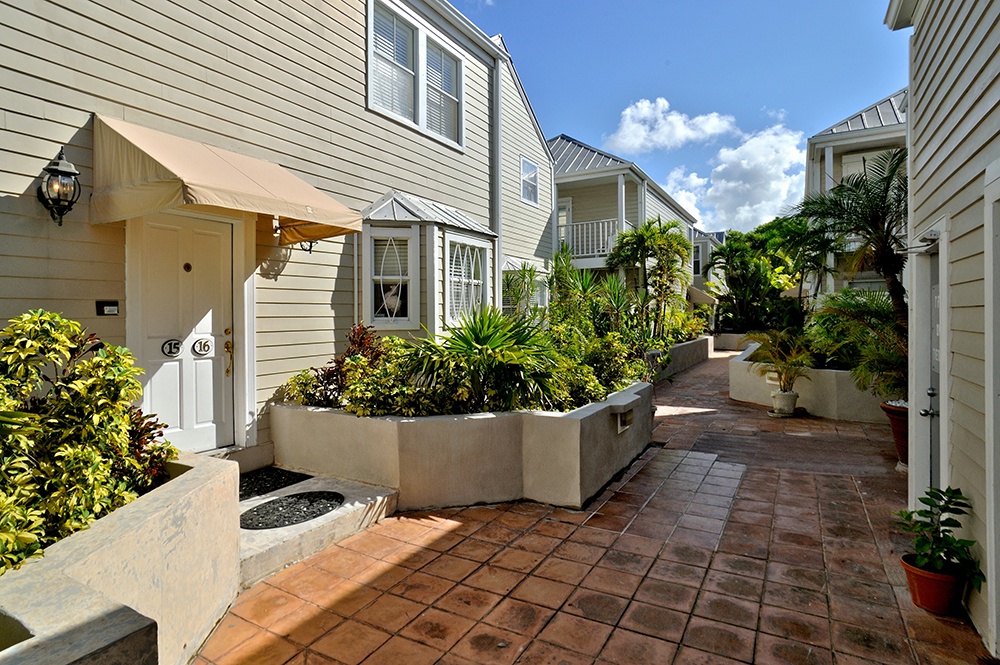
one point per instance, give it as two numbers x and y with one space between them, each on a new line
713 99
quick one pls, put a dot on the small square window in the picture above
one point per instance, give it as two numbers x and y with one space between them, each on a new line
529 181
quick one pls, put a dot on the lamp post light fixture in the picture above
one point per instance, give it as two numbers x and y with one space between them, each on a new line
60 187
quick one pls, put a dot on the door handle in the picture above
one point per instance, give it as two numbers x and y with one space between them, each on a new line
228 348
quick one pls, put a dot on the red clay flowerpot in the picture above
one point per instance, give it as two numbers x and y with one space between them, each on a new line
935 592
899 424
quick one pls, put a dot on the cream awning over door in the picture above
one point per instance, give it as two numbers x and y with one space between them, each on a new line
139 171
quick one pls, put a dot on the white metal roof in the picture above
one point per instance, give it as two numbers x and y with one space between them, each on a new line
396 206
883 113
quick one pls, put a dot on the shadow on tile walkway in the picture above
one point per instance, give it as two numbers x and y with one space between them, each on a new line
735 538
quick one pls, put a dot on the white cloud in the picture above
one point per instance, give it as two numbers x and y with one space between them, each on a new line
647 125
687 189
749 184
775 114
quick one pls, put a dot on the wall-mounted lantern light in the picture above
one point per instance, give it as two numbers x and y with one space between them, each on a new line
60 187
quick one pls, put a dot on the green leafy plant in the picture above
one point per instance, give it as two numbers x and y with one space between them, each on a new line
860 329
503 363
76 446
782 352
935 546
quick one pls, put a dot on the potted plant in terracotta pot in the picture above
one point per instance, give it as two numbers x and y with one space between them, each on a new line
784 354
860 329
941 564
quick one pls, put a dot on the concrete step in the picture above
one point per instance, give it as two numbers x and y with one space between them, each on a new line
266 551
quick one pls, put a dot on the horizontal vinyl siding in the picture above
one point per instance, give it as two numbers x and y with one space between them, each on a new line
280 81
527 229
954 129
655 206
591 203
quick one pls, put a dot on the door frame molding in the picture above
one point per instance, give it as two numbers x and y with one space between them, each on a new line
243 300
919 472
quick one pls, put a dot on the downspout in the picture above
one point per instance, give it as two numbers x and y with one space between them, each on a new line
496 180
357 284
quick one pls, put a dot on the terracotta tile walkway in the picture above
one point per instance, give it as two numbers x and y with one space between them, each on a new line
734 539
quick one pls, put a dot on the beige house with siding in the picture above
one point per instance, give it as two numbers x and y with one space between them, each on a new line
226 155
528 188
954 226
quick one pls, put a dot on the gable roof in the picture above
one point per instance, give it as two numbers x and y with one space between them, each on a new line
574 156
883 113
397 206
499 41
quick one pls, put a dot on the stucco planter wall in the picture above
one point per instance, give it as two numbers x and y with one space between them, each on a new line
682 356
828 393
558 458
730 342
145 584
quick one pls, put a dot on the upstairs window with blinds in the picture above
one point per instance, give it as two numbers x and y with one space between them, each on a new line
414 73
442 92
394 70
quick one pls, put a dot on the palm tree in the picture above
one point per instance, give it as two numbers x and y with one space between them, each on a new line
869 208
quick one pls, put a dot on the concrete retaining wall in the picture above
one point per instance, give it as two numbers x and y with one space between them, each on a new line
683 356
828 393
145 584
557 458
730 342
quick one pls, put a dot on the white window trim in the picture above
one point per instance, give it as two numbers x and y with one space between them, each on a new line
412 235
422 32
538 194
488 256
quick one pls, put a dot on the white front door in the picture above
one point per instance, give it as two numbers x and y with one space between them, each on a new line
186 342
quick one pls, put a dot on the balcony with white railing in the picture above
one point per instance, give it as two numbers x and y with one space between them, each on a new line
590 240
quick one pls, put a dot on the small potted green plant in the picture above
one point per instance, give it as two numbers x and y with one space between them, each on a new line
784 354
941 564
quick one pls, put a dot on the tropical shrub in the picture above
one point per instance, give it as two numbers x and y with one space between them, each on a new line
782 352
498 363
614 364
859 328
77 447
324 386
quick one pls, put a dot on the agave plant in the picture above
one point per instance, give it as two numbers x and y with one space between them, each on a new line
506 362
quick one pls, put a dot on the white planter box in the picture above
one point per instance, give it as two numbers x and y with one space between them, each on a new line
829 393
682 356
171 556
557 458
730 342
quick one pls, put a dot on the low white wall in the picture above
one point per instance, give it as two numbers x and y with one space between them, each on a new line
558 458
730 342
828 393
683 356
171 556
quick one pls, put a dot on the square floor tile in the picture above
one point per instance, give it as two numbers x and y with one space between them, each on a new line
576 634
468 602
654 621
520 617
437 629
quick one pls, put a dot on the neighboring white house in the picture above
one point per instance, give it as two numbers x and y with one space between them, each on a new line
230 151
841 150
705 242
954 299
601 195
